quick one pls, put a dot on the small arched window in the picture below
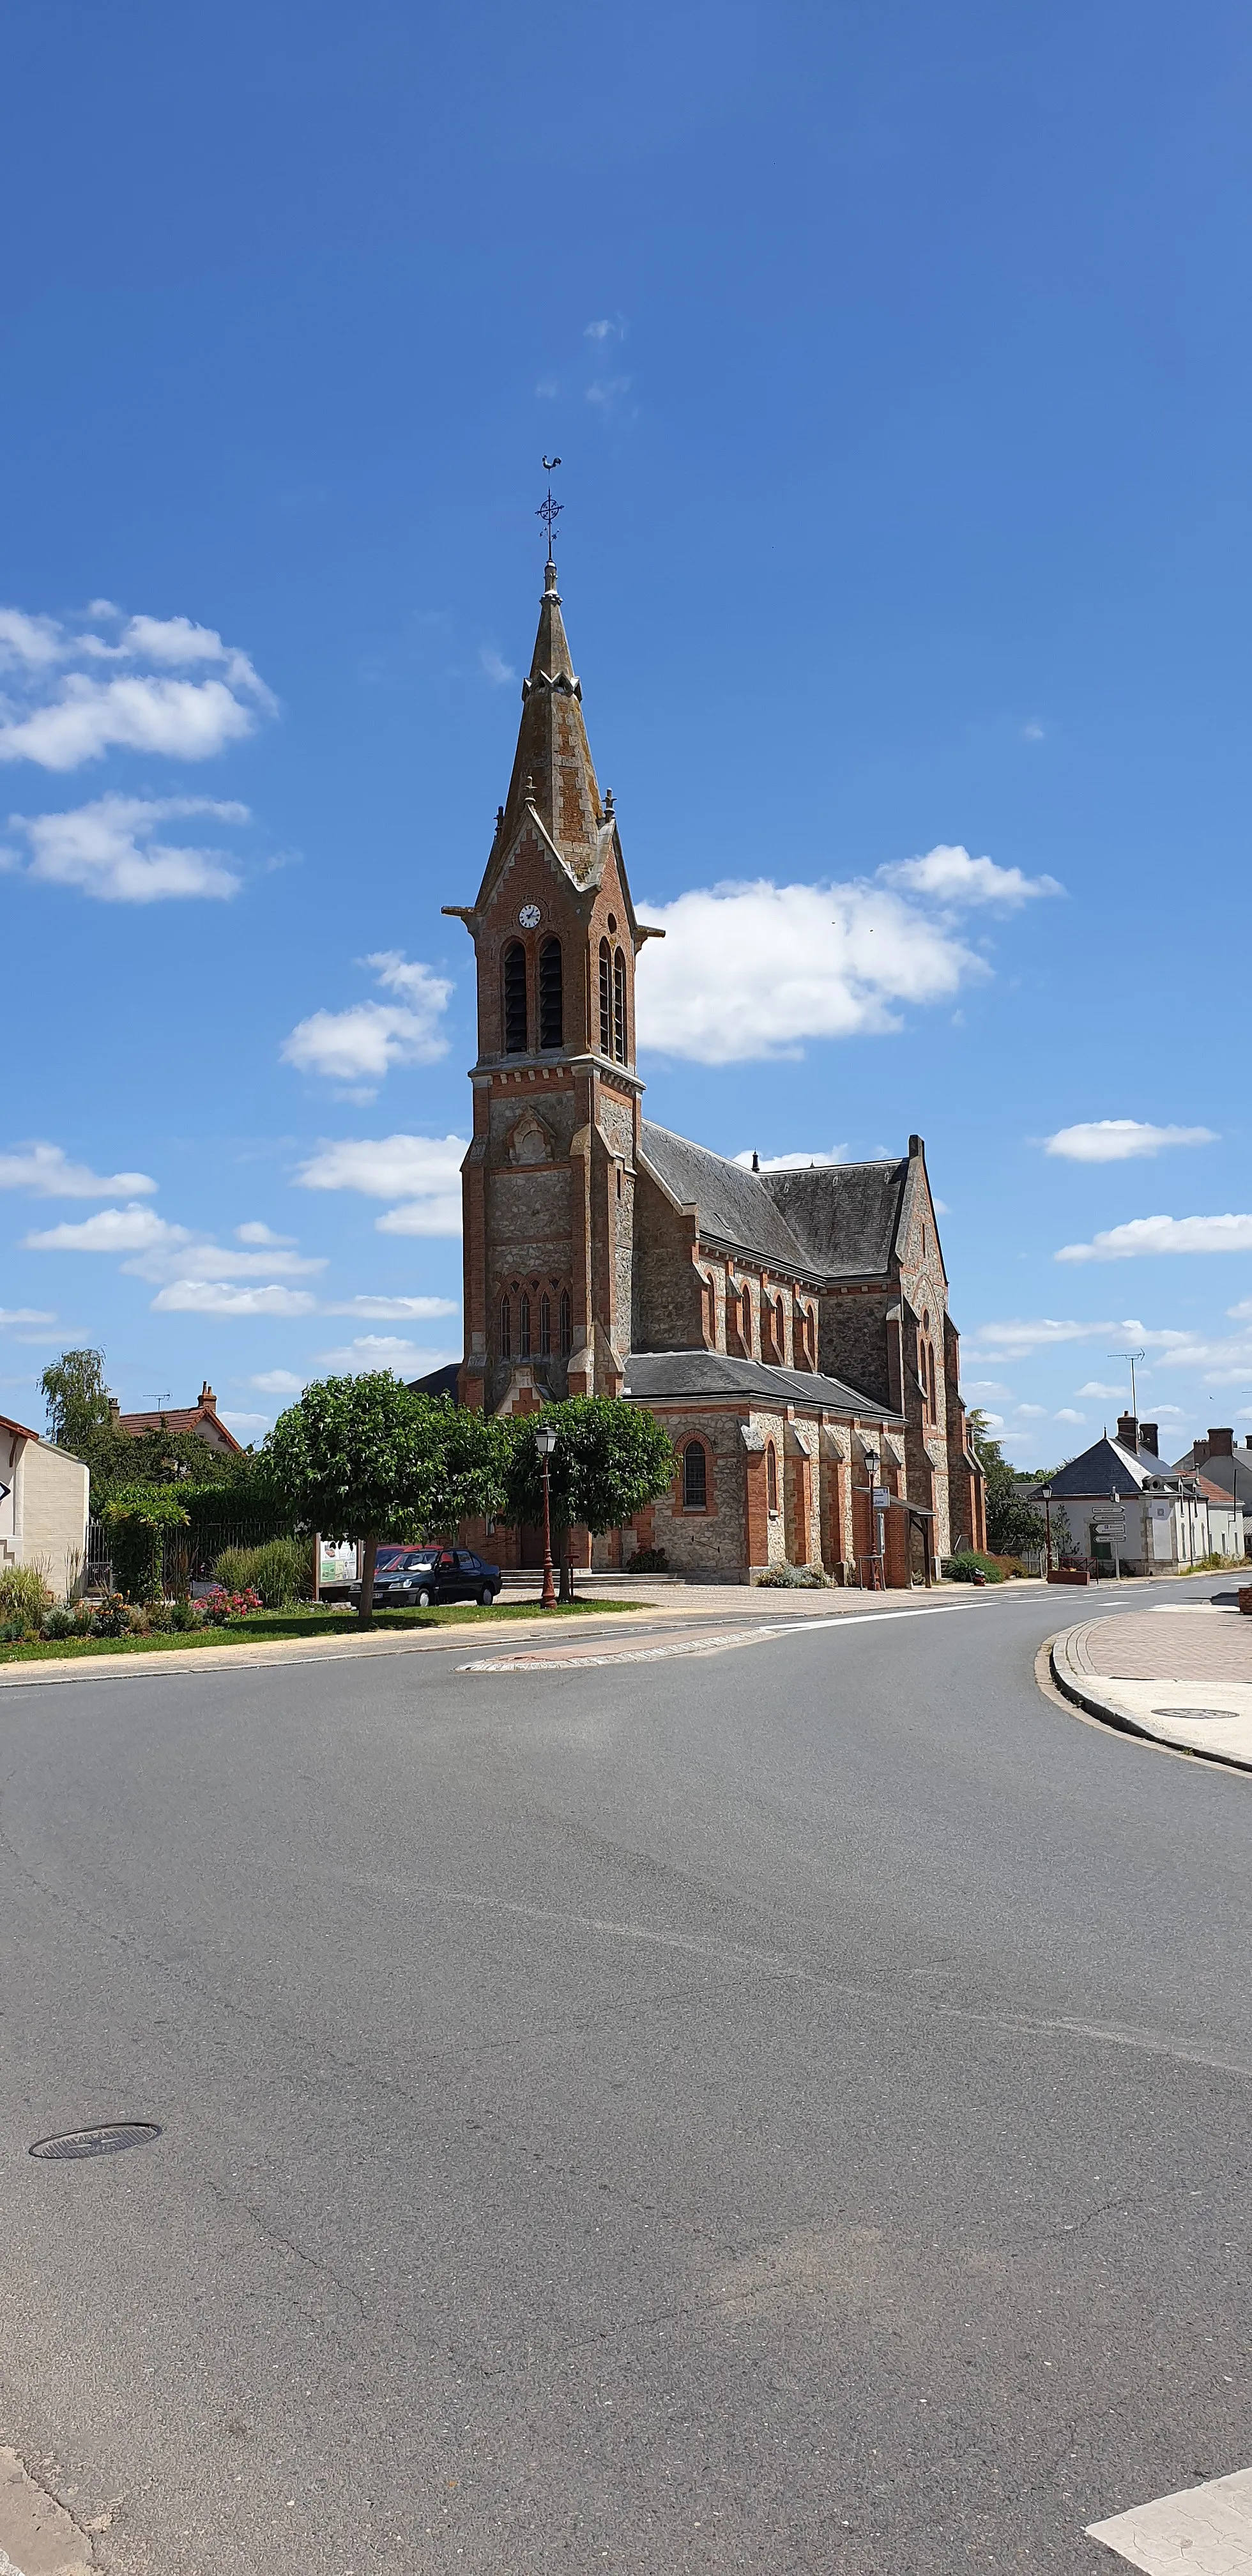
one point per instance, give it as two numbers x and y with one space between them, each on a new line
619 1006
551 998
780 1327
606 998
506 1329
545 1326
567 1324
745 1318
708 1297
695 1477
523 1337
515 1031
771 1477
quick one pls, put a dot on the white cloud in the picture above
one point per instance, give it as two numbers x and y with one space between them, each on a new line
1031 1412
277 1382
494 667
244 1425
941 1207
25 1315
47 1171
981 1386
107 849
255 1232
183 1260
794 1162
396 1310
1153 1235
1120 1140
128 1229
605 330
950 876
750 970
218 1297
362 1042
1018 1338
424 1172
1032 731
1067 1414
992 1421
1098 1386
385 1351
1242 1313
62 717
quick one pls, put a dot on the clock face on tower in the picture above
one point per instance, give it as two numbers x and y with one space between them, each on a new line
528 917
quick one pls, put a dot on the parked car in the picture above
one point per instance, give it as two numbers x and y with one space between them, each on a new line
413 1578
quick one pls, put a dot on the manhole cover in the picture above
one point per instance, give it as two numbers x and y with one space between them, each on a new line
1195 1712
108 2140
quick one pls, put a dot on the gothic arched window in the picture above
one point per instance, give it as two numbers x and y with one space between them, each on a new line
619 1006
523 1338
745 1318
551 1001
780 1328
506 1329
545 1325
771 1477
515 1015
567 1324
606 998
695 1477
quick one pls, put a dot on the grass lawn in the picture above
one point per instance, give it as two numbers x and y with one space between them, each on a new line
306 1622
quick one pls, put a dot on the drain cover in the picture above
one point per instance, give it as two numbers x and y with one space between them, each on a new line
108 2140
1195 1712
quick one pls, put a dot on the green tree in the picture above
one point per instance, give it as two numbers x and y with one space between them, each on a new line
138 1523
1013 1525
363 1457
76 1402
611 1459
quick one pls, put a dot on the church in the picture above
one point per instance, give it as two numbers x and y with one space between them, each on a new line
790 1329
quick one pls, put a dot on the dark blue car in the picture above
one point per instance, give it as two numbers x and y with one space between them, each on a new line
414 1578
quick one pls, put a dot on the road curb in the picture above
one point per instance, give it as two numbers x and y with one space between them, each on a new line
1075 1680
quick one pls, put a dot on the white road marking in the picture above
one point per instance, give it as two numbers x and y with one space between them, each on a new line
569 1654
1202 2531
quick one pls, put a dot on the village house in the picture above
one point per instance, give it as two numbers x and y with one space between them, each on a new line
43 1506
202 1418
1120 1504
790 1328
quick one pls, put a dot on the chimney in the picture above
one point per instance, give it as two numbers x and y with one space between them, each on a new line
916 1146
1199 1452
115 1409
756 1160
1221 1444
1128 1432
208 1397
1148 1437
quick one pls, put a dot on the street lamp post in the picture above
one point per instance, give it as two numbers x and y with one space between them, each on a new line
1047 1524
545 1443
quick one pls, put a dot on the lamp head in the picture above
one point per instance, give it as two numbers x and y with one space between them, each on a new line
545 1439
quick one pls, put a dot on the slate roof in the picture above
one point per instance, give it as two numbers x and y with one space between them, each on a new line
653 1374
733 1205
1233 1472
844 1215
1107 1468
437 1382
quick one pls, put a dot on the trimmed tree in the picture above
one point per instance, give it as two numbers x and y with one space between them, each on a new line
362 1457
1013 1525
611 1460
138 1523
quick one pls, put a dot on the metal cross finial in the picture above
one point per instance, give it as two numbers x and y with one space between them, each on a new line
549 511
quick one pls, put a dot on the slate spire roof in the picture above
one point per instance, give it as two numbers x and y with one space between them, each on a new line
553 768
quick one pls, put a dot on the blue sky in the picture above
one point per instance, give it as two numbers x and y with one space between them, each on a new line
898 360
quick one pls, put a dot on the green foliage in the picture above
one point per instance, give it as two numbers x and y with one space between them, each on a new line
364 1457
1012 1525
138 1522
610 1461
24 1596
76 1399
57 1623
969 1564
279 1572
649 1560
793 1578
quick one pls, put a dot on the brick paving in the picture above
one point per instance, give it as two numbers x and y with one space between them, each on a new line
1174 1646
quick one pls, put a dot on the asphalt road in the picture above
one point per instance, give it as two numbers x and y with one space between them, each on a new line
780 2111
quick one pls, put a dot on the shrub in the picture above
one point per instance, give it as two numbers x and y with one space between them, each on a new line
649 1560
184 1616
279 1571
793 1578
24 1597
220 1606
138 1522
110 1617
57 1623
964 1568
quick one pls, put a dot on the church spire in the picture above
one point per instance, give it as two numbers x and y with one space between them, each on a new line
552 767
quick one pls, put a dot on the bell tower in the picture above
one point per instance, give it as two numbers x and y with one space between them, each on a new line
549 1179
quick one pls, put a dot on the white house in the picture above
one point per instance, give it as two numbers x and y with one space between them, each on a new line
1123 1505
43 1506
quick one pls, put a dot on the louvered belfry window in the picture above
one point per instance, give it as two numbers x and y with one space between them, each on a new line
545 1325
551 1000
619 1006
506 1329
515 1031
567 1324
606 999
523 1339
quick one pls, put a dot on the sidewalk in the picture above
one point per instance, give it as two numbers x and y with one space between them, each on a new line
1181 1674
